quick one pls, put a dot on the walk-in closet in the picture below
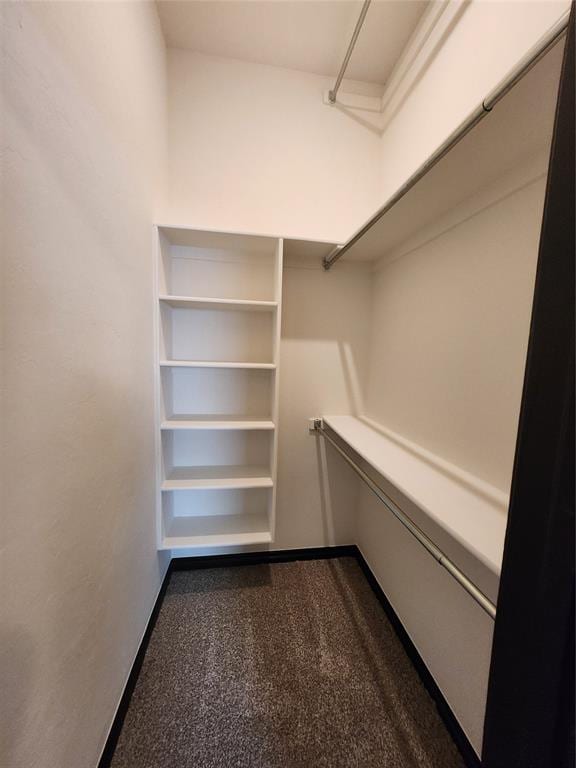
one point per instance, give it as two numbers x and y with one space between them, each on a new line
288 384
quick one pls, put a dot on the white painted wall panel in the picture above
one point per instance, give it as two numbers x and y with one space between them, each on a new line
252 148
83 133
450 331
323 356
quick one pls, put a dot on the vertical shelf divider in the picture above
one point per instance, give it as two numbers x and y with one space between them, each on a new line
277 332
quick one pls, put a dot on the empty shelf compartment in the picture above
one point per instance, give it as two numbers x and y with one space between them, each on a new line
217 265
217 531
222 517
229 396
216 459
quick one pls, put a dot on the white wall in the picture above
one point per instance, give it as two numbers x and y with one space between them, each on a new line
83 129
450 328
253 148
323 359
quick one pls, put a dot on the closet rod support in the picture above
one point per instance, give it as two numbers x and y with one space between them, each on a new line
334 92
442 559
544 44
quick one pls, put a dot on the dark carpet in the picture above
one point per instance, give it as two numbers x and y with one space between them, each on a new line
274 666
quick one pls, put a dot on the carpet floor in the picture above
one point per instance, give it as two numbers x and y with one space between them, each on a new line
279 666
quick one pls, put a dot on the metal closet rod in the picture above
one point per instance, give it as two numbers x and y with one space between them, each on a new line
334 92
484 602
525 64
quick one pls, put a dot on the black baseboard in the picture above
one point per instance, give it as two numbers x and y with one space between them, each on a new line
452 725
284 556
259 558
118 722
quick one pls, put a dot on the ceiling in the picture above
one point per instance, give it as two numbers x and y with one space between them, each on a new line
307 35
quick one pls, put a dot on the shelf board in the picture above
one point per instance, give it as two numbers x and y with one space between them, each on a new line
216 477
467 514
245 242
217 531
213 364
215 421
195 302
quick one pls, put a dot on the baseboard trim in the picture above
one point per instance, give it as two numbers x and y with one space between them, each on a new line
122 709
449 719
260 558
285 556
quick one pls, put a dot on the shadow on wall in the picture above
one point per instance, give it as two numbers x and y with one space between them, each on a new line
325 329
326 318
319 304
339 493
351 379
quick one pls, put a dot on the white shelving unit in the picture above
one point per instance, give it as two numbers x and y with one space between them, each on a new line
218 314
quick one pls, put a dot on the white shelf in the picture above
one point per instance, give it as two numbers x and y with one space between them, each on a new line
213 364
215 421
217 477
468 515
217 531
195 302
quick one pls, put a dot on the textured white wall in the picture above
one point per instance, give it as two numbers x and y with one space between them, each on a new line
253 148
83 134
324 356
450 328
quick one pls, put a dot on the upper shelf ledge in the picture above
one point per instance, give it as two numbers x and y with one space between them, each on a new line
475 517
